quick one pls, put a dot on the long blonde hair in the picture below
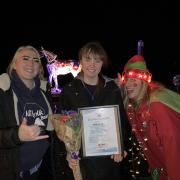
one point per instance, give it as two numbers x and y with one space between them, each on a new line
146 91
142 94
22 48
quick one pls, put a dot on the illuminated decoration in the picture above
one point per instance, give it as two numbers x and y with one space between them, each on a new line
139 74
136 66
57 67
137 159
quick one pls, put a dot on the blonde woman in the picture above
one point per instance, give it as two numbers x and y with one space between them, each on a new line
24 111
154 114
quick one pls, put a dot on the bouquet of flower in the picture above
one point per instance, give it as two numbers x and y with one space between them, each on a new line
68 129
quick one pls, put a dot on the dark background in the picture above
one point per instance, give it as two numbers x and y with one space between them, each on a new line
64 26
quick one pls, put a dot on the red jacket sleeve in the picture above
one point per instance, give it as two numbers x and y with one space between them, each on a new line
168 127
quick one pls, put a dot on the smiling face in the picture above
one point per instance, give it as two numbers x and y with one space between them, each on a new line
92 57
91 66
27 65
133 88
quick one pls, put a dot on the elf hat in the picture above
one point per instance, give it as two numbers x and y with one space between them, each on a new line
136 68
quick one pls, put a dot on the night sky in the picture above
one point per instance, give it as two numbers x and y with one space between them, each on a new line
65 26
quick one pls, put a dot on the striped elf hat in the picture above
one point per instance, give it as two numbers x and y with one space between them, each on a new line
136 68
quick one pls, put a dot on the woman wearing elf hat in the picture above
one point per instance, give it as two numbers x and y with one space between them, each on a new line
154 114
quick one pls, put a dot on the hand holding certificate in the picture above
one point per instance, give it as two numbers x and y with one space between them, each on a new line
101 134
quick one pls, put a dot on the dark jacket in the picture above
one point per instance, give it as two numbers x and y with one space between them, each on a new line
75 96
9 125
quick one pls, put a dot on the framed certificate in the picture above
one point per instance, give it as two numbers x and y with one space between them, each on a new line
101 131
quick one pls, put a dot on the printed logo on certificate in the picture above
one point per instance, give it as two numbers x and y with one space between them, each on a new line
101 132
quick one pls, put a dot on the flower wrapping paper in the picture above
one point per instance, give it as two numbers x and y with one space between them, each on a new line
68 127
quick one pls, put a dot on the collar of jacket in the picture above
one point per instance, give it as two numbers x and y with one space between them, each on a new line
103 76
5 82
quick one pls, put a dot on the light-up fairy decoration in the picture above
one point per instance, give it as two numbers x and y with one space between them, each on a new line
57 67
137 159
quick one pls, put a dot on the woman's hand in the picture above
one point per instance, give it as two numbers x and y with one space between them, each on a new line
118 80
30 133
73 163
118 157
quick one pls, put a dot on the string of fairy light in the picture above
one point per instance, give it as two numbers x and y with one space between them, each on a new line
137 158
135 73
